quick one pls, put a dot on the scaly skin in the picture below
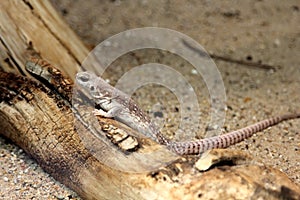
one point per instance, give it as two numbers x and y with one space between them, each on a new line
117 104
114 103
225 140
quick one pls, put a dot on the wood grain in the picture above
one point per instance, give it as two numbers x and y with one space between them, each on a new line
33 28
38 120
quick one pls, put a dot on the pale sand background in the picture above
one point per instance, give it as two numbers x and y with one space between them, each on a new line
259 31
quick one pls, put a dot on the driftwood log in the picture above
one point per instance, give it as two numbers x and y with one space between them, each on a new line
40 121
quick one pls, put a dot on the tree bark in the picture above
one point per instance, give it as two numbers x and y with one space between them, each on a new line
40 121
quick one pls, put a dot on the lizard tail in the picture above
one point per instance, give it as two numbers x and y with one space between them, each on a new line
225 140
290 116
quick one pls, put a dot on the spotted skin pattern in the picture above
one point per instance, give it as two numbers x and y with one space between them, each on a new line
114 103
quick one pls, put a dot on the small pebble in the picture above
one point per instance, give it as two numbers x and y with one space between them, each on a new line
26 170
215 127
5 179
60 197
193 71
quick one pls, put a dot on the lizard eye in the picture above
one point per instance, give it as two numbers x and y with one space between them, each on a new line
92 88
84 77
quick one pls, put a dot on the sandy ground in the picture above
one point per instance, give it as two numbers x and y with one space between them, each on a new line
264 32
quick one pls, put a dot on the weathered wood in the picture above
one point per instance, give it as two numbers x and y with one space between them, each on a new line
37 122
34 118
40 122
33 28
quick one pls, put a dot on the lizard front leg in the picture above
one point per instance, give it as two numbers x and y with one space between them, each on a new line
108 114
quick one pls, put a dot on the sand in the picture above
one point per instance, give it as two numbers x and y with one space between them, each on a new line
264 32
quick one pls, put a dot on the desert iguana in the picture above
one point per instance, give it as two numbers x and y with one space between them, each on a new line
114 103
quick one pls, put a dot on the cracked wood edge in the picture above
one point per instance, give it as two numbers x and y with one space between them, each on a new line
36 29
38 121
34 120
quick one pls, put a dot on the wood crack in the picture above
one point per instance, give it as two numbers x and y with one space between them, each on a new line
55 141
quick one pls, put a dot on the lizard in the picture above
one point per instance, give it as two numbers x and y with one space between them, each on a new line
114 103
61 85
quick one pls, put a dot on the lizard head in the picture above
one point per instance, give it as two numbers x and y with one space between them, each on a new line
87 81
94 86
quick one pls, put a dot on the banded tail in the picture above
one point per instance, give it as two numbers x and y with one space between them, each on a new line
225 140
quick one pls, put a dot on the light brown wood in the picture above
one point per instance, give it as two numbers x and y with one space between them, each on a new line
43 125
33 28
